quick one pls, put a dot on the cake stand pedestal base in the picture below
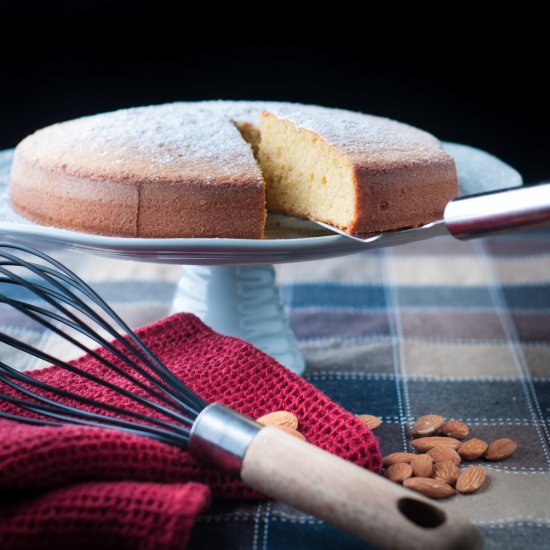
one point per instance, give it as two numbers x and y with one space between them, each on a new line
241 301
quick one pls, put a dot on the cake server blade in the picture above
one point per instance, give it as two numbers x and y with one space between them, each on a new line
473 216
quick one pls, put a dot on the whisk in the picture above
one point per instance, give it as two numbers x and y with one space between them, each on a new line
265 458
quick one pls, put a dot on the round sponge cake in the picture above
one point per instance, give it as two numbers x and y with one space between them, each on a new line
202 169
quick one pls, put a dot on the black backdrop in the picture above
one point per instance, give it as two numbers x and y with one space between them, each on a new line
458 74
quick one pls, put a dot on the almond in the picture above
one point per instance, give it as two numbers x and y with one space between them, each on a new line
424 444
399 472
447 472
456 429
429 487
371 421
472 448
427 425
395 458
471 479
279 418
422 465
444 454
295 433
501 449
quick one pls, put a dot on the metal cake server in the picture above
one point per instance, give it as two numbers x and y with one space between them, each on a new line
473 216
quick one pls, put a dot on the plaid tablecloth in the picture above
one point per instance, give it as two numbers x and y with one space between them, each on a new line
459 329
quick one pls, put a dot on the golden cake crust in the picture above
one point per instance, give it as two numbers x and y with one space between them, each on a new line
184 170
177 170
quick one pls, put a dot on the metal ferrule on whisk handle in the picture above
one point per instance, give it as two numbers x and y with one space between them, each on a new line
222 436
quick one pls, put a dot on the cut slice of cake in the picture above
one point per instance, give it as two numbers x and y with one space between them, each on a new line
360 173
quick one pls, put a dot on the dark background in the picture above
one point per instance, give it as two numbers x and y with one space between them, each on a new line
460 74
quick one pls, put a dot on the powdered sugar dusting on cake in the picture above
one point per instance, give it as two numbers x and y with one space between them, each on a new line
357 133
181 139
199 140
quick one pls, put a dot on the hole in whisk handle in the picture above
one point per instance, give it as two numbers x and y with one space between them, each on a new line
421 513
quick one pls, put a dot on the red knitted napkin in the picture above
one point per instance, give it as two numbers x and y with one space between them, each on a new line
84 487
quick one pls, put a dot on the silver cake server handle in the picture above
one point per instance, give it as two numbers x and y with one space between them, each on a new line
498 212
474 216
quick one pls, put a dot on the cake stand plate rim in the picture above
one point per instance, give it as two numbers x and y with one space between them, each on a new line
478 172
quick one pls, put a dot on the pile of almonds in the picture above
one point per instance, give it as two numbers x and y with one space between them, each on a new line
442 446
436 473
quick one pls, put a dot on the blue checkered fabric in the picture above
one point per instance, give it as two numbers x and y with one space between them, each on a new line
459 329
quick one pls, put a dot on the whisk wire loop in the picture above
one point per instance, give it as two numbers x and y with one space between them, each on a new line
57 286
191 401
8 374
27 309
64 412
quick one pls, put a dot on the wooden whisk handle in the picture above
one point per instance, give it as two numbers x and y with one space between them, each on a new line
349 497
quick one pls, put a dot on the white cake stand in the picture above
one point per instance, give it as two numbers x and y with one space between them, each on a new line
230 283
